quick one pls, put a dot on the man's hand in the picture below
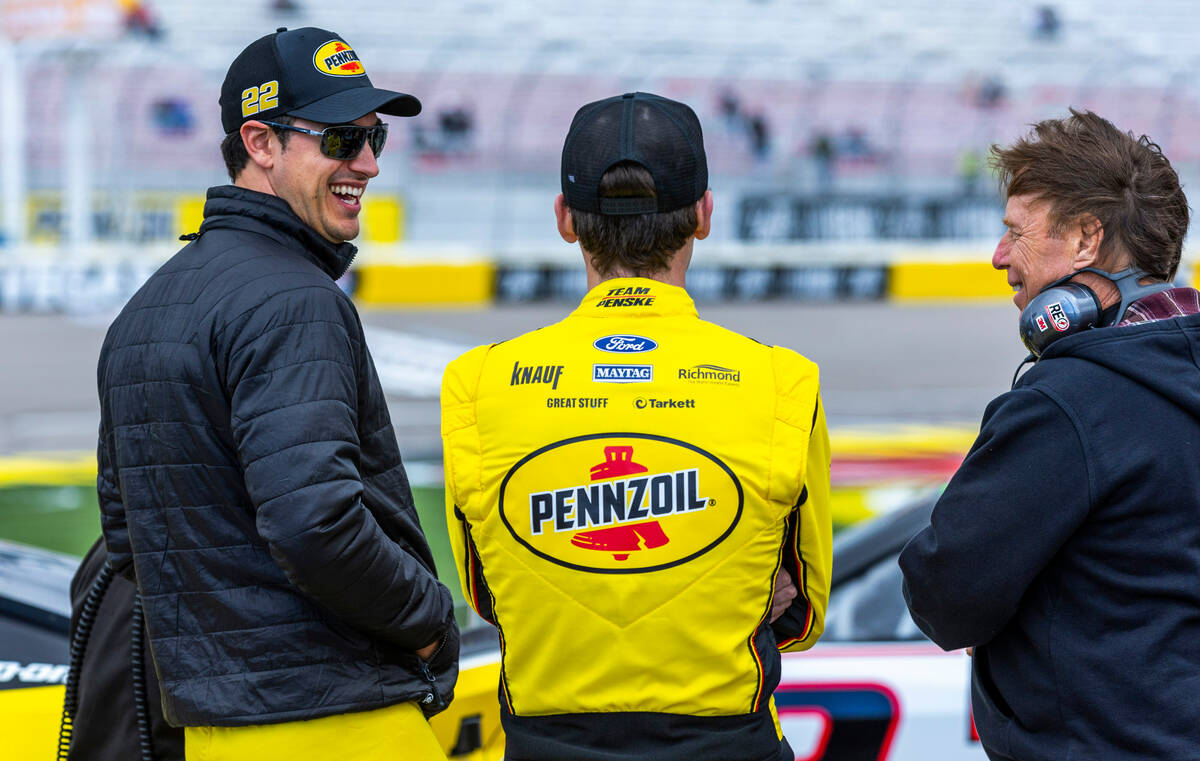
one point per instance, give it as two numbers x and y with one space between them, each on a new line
785 592
427 652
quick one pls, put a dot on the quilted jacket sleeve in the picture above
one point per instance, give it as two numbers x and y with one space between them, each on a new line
293 373
112 512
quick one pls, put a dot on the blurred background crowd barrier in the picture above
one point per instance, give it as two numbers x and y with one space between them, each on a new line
846 140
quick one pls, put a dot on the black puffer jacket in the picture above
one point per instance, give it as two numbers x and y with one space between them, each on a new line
249 469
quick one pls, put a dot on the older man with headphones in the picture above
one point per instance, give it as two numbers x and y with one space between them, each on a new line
1066 549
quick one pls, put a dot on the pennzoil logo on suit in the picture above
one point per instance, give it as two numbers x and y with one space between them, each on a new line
620 502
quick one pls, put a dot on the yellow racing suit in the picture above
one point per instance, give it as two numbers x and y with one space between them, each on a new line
622 489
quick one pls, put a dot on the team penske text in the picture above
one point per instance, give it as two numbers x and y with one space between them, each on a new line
624 500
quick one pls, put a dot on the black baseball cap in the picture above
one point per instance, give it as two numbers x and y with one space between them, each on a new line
661 134
309 73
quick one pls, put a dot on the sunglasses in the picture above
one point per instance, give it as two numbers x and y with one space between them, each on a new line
343 141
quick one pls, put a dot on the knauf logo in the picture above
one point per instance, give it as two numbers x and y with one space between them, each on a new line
524 375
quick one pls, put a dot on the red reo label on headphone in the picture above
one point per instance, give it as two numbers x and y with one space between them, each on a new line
1058 318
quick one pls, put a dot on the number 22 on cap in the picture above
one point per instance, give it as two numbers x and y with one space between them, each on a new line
261 98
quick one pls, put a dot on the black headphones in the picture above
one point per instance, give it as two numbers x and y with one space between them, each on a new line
1063 309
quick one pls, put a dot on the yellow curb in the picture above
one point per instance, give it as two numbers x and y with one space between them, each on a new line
900 439
946 281
50 469
381 284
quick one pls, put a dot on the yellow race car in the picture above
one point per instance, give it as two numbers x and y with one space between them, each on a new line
35 612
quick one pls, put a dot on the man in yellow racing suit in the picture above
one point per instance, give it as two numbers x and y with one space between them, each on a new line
638 500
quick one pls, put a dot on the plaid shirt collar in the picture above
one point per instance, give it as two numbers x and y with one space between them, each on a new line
1176 302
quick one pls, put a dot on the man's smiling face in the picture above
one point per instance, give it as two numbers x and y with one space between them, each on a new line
1029 254
325 193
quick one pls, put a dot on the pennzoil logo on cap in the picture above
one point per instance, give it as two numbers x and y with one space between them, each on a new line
620 502
338 59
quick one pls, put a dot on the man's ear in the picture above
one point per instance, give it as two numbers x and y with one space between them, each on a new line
256 136
704 209
1087 249
566 227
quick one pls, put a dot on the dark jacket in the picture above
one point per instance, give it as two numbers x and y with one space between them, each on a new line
1067 550
106 726
249 469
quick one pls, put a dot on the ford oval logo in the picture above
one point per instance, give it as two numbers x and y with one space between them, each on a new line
625 344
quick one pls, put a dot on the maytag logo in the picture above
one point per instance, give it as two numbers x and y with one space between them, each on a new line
625 344
622 373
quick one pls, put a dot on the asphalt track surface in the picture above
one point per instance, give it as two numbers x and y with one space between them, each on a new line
880 363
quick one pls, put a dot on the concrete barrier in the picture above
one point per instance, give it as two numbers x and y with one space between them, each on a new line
45 279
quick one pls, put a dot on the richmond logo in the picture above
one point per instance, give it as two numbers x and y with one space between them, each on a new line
710 374
629 514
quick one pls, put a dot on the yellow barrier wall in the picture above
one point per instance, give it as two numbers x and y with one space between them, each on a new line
425 284
382 219
189 213
946 281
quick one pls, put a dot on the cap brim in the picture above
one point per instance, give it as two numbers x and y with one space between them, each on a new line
348 105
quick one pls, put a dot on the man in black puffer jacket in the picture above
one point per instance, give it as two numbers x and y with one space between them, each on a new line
249 476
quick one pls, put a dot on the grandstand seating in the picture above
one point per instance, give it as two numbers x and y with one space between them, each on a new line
910 77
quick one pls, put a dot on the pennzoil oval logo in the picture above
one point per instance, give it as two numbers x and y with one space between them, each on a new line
620 502
338 59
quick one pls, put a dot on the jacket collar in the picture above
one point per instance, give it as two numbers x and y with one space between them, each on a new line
1164 305
636 297
231 207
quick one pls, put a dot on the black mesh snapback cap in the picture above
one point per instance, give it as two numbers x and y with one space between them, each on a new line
309 73
662 135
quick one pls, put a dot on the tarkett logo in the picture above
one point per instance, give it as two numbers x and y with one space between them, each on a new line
639 503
